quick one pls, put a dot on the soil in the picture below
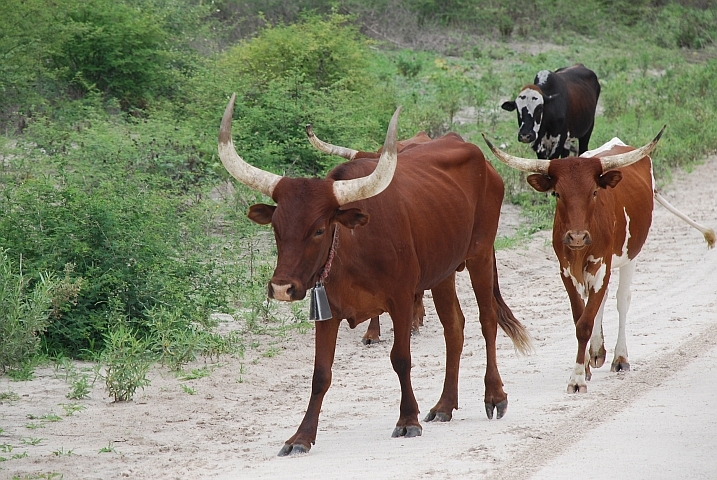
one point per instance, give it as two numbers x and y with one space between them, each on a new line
232 423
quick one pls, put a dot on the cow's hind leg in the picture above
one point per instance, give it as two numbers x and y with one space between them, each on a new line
419 311
624 295
402 316
373 332
305 436
481 273
453 321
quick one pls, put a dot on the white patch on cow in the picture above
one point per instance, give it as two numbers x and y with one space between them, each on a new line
577 378
623 258
542 77
624 296
571 144
604 148
596 281
548 145
591 281
579 287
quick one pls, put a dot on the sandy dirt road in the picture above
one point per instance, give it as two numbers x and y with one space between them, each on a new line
657 421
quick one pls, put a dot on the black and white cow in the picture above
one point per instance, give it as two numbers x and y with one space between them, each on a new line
557 109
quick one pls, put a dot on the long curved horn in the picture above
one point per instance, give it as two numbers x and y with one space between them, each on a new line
347 191
249 175
524 164
327 147
612 162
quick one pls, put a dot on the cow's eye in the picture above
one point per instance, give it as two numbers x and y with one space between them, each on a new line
319 232
595 193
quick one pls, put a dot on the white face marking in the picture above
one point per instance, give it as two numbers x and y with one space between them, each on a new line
619 261
530 100
542 77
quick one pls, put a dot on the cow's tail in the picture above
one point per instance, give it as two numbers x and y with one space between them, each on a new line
708 233
507 321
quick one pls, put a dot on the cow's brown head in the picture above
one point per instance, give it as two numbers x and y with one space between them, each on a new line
575 182
306 210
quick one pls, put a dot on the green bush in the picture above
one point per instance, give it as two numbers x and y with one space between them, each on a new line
25 313
127 359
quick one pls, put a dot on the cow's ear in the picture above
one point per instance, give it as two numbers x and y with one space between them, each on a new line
610 179
541 183
261 213
351 218
509 106
550 98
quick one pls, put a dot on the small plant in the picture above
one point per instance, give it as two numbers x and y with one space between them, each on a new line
188 389
72 408
108 449
61 451
42 476
272 351
194 374
6 448
80 388
127 363
9 396
48 417
408 67
34 426
31 440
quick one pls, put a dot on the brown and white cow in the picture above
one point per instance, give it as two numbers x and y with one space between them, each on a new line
381 231
373 332
603 213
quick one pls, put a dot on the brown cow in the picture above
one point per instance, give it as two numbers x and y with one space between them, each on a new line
438 210
373 332
603 213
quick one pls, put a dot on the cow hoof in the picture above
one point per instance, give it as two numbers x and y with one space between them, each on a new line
293 449
577 389
499 408
409 432
620 367
370 341
598 360
438 417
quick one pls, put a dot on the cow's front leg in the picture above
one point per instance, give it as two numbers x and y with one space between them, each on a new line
305 436
402 316
597 340
453 321
583 332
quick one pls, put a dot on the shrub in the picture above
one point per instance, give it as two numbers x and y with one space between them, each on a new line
25 313
127 359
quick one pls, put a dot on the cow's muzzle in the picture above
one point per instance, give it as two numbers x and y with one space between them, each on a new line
526 137
286 292
577 239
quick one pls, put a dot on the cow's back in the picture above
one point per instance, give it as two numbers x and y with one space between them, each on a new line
634 197
442 197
